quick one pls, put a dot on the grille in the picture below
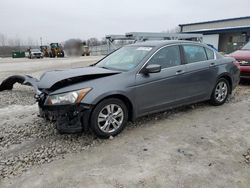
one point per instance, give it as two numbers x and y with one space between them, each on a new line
245 74
244 62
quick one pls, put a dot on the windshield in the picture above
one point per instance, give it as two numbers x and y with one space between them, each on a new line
246 47
125 58
35 50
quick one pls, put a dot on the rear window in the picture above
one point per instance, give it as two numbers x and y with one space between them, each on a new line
210 53
194 53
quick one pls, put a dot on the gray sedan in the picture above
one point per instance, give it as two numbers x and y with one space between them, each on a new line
136 80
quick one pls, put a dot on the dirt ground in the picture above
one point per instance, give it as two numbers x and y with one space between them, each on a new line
193 146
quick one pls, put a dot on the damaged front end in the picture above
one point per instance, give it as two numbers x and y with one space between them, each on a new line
68 118
65 108
70 115
67 111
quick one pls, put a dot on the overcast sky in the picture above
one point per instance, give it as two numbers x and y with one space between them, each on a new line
58 20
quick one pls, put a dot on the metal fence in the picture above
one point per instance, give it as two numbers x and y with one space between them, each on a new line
99 50
104 49
107 48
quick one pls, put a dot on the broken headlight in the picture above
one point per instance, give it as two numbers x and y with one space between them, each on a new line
68 98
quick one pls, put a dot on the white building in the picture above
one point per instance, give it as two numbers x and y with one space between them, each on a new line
226 35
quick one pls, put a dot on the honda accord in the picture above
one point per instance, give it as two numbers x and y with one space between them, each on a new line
136 80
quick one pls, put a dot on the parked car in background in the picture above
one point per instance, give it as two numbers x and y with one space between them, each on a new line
243 57
35 53
136 80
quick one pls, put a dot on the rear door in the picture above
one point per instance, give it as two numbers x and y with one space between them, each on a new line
201 71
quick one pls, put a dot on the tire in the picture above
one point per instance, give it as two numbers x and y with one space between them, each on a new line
220 95
62 53
109 118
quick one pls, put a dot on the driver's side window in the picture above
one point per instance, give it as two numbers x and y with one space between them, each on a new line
167 57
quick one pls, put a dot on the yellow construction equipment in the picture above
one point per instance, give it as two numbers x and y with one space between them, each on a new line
56 50
53 50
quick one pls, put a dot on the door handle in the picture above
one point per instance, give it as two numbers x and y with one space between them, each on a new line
212 64
180 72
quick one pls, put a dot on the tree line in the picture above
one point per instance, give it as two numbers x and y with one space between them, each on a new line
8 44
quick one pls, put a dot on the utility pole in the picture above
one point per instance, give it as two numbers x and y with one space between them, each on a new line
41 40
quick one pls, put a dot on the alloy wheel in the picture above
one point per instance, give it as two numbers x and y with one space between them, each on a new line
221 91
110 118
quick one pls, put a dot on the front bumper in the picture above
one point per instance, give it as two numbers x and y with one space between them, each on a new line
245 72
36 56
68 118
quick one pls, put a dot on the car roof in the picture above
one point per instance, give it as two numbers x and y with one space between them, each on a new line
160 43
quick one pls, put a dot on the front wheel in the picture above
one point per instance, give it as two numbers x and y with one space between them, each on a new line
109 118
220 92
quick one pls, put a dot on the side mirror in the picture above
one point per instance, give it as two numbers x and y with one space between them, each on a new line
153 68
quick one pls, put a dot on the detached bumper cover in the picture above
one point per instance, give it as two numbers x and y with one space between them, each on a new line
68 118
9 82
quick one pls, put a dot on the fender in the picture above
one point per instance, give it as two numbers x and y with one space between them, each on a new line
96 100
93 101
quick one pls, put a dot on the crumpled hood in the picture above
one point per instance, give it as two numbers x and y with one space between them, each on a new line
241 55
56 79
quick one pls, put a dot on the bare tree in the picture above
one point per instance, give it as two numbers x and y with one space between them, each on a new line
30 42
17 42
103 41
93 42
2 39
177 29
11 42
173 30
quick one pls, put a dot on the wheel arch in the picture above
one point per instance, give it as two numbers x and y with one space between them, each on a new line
123 98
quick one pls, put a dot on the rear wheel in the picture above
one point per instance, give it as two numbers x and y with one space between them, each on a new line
220 92
109 118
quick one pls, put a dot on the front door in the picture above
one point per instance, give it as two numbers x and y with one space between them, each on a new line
158 91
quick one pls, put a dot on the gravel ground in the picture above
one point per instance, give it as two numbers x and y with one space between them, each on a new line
20 97
27 141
